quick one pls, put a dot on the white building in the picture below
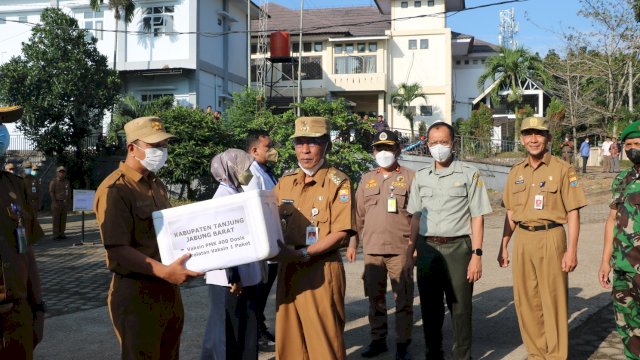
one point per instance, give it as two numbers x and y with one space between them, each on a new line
194 50
364 53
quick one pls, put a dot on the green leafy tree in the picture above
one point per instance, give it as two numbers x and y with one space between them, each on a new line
509 69
129 108
479 125
198 137
402 99
64 84
122 9
555 115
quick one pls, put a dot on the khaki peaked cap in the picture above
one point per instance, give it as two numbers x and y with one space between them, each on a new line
149 129
535 122
9 114
311 127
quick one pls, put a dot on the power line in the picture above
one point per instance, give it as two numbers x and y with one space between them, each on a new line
316 28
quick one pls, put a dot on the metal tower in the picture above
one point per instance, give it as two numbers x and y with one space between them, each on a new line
508 29
261 60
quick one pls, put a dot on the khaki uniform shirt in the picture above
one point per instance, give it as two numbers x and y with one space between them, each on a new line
329 192
123 205
448 198
383 232
61 189
555 180
14 268
33 189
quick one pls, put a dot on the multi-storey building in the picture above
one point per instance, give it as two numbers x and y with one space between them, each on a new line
193 50
363 54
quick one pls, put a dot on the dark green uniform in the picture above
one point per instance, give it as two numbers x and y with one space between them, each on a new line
625 260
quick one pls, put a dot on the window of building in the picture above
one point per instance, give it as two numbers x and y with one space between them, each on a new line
404 4
413 44
147 97
475 61
362 47
158 19
430 3
254 48
483 61
457 62
355 64
466 62
337 49
348 48
373 47
306 47
317 47
417 4
295 47
311 69
93 23
424 43
219 21
426 110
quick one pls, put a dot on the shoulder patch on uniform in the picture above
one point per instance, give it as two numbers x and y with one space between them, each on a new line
291 172
336 176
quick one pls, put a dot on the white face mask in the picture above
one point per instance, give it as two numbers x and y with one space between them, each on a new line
313 170
384 159
27 171
440 152
154 158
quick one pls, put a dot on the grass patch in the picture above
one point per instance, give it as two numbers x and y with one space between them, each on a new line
510 154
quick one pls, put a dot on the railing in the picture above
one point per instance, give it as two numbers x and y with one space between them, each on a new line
21 144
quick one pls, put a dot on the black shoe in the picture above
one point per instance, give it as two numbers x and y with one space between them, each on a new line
376 348
265 334
62 237
266 339
401 351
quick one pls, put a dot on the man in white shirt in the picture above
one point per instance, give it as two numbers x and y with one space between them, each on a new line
260 147
606 155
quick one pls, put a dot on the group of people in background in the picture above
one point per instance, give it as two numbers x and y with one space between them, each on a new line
610 150
432 219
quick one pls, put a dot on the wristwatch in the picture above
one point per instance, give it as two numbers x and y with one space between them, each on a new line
305 255
477 252
42 307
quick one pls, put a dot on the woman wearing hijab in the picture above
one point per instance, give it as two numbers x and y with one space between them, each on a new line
232 331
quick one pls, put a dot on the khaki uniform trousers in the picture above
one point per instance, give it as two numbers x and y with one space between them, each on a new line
147 316
310 313
16 332
59 218
376 268
540 292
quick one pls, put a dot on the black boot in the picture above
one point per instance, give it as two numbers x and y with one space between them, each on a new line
376 348
401 351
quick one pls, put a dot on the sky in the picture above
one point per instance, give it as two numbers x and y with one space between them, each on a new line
541 22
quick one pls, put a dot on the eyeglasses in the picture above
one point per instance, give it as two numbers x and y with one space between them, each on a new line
311 142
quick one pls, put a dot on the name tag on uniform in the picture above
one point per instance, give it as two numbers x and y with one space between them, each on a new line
33 189
312 235
538 202
392 205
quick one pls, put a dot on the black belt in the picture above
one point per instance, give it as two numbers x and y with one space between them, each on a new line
444 239
548 226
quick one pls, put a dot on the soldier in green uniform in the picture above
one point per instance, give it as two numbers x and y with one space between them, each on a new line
21 305
622 246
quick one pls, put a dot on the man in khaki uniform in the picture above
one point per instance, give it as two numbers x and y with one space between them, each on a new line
144 297
541 194
383 224
33 185
316 212
448 201
10 167
60 192
21 305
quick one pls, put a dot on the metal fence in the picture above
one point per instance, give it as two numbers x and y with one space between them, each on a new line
21 144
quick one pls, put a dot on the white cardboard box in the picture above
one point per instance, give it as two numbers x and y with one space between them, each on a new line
222 232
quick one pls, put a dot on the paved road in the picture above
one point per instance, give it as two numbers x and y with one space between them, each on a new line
75 283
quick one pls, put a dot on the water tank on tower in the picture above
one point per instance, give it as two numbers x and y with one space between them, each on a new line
280 44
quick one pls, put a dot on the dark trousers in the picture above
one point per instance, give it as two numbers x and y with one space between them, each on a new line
584 163
59 218
442 272
263 291
231 332
16 332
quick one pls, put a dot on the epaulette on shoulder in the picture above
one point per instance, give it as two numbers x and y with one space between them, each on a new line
291 172
113 178
519 162
336 176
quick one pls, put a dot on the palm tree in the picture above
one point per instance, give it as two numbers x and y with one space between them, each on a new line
509 68
130 108
402 98
121 9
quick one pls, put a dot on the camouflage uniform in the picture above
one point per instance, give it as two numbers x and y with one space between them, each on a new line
625 260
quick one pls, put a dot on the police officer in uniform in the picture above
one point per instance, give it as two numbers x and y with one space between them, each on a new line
448 201
144 297
383 224
541 194
33 185
621 246
60 192
315 206
21 305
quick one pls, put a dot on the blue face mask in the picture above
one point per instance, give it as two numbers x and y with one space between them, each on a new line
4 140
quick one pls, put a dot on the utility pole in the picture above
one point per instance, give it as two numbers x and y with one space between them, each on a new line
508 29
300 59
